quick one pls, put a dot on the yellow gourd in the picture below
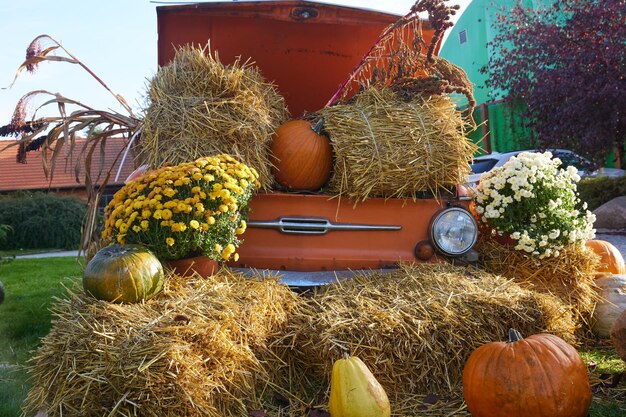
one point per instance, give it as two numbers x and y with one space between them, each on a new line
354 392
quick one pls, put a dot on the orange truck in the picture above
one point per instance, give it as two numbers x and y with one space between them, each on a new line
308 49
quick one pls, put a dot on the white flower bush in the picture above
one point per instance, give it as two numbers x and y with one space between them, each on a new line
535 203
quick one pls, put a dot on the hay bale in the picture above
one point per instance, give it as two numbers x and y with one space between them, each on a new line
570 276
414 328
198 107
385 146
188 352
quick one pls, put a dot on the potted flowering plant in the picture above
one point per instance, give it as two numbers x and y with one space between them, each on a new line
193 209
534 202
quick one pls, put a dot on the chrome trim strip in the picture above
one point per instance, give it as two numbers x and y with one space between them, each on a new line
314 225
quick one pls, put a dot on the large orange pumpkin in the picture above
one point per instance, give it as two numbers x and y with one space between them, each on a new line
301 155
611 260
540 376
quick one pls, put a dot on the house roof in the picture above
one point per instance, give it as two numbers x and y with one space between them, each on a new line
30 176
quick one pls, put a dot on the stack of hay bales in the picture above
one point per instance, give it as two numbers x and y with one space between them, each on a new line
225 345
198 107
388 146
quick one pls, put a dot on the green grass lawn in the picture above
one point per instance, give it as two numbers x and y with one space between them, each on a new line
32 284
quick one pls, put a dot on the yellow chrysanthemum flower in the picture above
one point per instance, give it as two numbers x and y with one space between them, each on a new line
194 224
170 241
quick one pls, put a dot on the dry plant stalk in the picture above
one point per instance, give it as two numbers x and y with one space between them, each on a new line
570 276
414 328
188 352
387 147
56 136
402 59
199 107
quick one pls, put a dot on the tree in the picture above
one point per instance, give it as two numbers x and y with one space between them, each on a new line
566 64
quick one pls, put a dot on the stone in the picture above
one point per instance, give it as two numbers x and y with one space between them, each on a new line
618 335
611 215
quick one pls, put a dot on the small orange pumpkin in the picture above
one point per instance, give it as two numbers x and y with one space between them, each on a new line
301 155
540 376
611 260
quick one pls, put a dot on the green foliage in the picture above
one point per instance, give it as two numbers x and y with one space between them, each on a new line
606 408
30 285
607 360
597 191
41 220
13 389
4 231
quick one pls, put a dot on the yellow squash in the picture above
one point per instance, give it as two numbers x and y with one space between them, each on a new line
354 392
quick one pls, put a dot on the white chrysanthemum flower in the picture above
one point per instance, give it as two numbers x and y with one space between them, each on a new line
535 202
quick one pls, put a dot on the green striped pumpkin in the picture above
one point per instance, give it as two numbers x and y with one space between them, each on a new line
123 274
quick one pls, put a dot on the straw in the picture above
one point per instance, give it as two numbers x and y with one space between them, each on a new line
387 147
570 276
230 344
198 107
188 352
414 328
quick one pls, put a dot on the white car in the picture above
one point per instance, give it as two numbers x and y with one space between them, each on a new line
493 160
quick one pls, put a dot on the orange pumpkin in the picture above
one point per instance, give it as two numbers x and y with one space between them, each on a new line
611 260
301 155
540 376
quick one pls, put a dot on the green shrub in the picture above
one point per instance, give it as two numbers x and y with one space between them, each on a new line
597 191
41 220
4 231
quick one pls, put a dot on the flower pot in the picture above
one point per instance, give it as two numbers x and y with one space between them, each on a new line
202 265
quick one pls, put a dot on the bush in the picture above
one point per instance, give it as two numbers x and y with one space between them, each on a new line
597 191
41 221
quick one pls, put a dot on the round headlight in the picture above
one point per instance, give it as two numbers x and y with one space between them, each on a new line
454 231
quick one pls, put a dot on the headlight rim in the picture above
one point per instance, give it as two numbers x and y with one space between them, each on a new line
431 231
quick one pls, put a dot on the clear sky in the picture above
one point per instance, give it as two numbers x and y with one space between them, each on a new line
117 39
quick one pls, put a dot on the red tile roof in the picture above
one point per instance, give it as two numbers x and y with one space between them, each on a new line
30 176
